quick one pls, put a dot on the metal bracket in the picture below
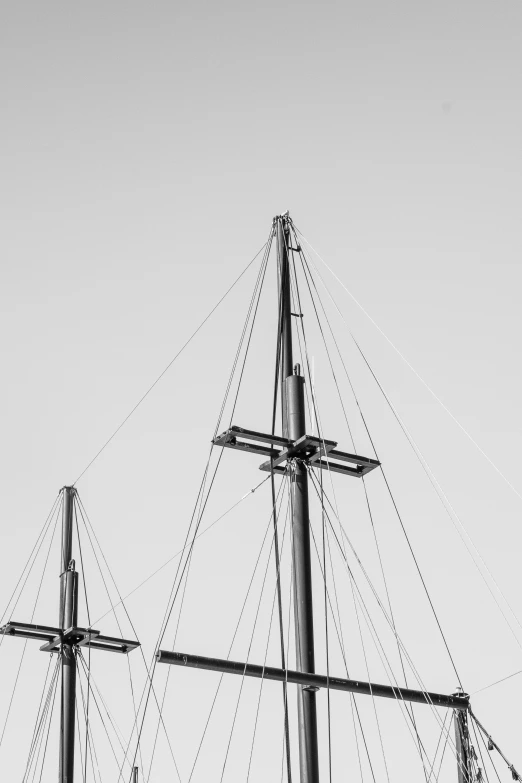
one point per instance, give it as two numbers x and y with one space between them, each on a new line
316 452
79 637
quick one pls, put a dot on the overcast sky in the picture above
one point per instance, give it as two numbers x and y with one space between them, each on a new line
145 148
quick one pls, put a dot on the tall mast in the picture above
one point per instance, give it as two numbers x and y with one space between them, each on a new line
68 619
293 455
67 638
292 400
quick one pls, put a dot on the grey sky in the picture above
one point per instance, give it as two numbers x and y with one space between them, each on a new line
145 149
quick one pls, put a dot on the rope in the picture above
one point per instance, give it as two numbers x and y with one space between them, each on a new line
168 674
340 637
349 429
420 748
364 655
84 665
497 682
31 620
309 279
232 642
253 307
319 428
173 594
35 551
169 365
41 715
326 634
285 747
398 513
85 518
177 554
389 488
258 608
369 622
479 737
88 730
89 622
438 489
490 739
49 724
39 710
414 371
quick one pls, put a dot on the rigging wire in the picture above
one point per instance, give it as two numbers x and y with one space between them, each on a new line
82 766
280 499
95 700
254 304
364 655
318 425
49 725
169 365
309 279
497 682
291 596
478 738
85 517
340 637
256 617
35 551
172 598
428 473
304 351
438 489
256 720
167 679
38 734
39 727
420 747
326 634
390 492
285 739
39 710
86 520
112 720
31 620
454 513
177 554
369 622
89 734
89 626
354 706
443 733
492 745
454 418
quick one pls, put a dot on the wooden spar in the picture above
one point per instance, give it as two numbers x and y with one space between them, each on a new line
316 681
